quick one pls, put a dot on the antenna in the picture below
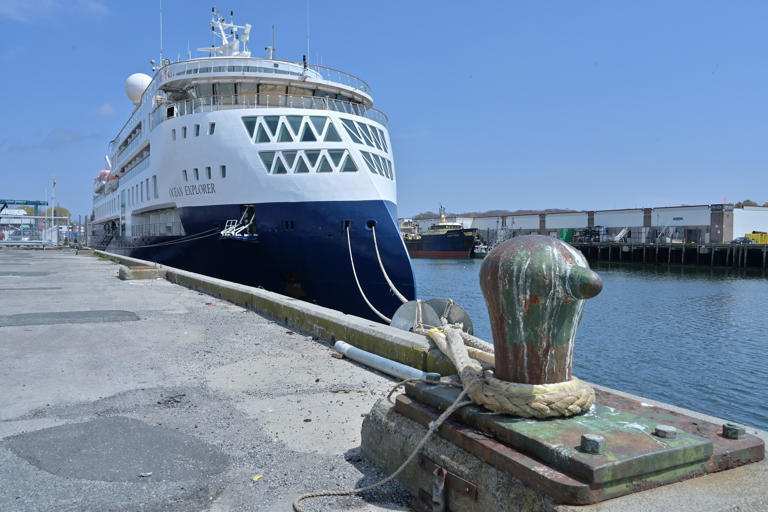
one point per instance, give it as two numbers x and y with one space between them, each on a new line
161 32
305 65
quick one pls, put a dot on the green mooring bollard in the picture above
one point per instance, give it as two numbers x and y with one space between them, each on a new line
535 288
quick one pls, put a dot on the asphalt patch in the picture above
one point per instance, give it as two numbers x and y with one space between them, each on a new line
118 449
68 317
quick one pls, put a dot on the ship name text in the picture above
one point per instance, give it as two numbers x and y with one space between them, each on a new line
192 190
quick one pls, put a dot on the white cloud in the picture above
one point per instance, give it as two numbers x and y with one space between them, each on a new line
27 11
105 110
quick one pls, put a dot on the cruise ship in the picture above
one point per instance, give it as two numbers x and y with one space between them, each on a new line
261 171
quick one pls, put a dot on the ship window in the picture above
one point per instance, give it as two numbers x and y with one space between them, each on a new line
272 124
280 167
184 173
247 89
380 163
350 126
154 186
197 130
369 162
223 169
391 170
208 172
284 136
312 157
332 135
226 93
307 135
349 165
261 134
336 156
324 94
290 157
324 166
146 182
295 122
196 173
271 95
183 132
301 167
299 91
211 128
250 125
141 192
319 123
266 158
374 136
383 140
173 134
366 135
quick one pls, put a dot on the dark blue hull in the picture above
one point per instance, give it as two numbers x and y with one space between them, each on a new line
301 252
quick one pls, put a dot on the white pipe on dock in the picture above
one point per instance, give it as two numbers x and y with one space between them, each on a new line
383 364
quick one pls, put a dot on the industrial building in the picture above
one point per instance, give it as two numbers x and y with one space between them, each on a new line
706 223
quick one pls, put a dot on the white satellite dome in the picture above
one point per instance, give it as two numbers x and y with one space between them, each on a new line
135 86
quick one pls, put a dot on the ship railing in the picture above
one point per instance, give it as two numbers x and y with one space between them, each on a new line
157 229
126 150
247 65
228 102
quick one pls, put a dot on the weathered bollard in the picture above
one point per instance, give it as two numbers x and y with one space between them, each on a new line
535 288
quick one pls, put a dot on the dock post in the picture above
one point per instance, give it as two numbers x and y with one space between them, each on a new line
727 255
657 253
698 253
669 254
534 313
682 258
643 254
764 257
712 256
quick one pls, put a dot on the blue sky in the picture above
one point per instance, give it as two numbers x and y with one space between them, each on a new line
584 105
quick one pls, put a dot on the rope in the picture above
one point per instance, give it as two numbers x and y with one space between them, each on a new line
389 282
354 272
184 239
433 426
525 400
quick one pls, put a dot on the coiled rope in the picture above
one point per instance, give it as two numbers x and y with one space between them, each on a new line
525 400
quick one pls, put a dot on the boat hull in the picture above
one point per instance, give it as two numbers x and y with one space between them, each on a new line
453 244
302 251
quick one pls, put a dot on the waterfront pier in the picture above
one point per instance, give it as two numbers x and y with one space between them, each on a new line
129 385
704 255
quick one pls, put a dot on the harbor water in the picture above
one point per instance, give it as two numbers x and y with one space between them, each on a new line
690 337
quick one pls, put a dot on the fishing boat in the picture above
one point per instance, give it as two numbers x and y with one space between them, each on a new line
443 239
262 171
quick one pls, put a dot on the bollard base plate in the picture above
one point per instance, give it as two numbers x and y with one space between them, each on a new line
545 454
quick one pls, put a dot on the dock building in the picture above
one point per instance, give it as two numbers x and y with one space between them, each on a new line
705 223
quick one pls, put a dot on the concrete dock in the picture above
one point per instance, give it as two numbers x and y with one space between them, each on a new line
105 380
140 394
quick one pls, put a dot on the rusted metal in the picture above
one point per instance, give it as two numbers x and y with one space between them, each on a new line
452 480
534 287
546 455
